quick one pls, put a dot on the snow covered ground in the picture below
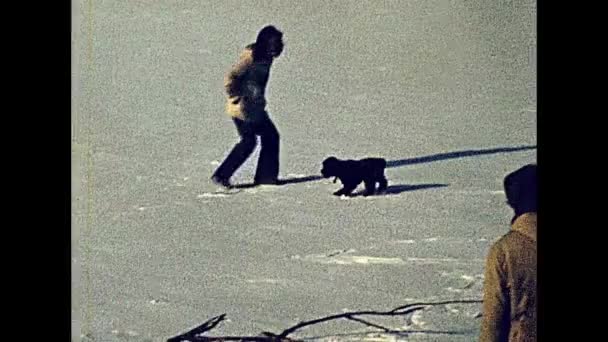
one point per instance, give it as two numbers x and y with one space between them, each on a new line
443 89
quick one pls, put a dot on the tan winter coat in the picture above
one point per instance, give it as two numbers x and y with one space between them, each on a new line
509 303
245 86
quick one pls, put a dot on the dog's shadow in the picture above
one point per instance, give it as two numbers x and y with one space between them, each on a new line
400 188
390 190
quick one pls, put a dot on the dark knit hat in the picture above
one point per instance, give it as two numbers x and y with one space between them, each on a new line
521 189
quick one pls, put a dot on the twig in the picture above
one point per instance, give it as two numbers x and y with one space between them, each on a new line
241 338
465 301
369 324
208 325
402 310
194 334
342 315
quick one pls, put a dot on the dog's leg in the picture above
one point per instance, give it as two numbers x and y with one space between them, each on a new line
346 190
383 184
370 187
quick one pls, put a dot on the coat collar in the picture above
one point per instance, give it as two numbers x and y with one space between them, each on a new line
526 224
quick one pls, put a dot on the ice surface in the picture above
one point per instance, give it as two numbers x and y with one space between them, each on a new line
443 89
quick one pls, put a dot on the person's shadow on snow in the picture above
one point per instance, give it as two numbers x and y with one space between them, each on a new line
283 181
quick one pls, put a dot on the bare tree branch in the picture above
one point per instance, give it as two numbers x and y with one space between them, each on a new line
464 301
208 325
194 334
370 324
402 310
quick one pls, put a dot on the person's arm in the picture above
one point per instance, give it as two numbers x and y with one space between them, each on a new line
495 321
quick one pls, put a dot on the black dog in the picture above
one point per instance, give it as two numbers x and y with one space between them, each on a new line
353 172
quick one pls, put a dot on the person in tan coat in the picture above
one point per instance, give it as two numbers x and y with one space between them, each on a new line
245 86
509 293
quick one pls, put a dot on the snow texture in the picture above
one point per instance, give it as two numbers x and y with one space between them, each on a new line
445 90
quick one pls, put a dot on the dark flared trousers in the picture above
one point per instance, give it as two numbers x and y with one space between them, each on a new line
267 170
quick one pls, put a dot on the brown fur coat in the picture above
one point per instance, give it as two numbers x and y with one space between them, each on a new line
245 86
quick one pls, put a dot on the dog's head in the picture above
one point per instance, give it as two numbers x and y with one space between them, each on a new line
330 167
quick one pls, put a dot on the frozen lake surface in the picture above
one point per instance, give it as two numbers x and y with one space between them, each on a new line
444 90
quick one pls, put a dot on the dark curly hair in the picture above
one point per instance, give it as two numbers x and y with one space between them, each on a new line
261 47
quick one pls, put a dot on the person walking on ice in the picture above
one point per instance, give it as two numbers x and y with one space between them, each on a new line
509 290
245 86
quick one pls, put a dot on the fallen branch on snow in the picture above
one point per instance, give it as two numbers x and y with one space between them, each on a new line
195 335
